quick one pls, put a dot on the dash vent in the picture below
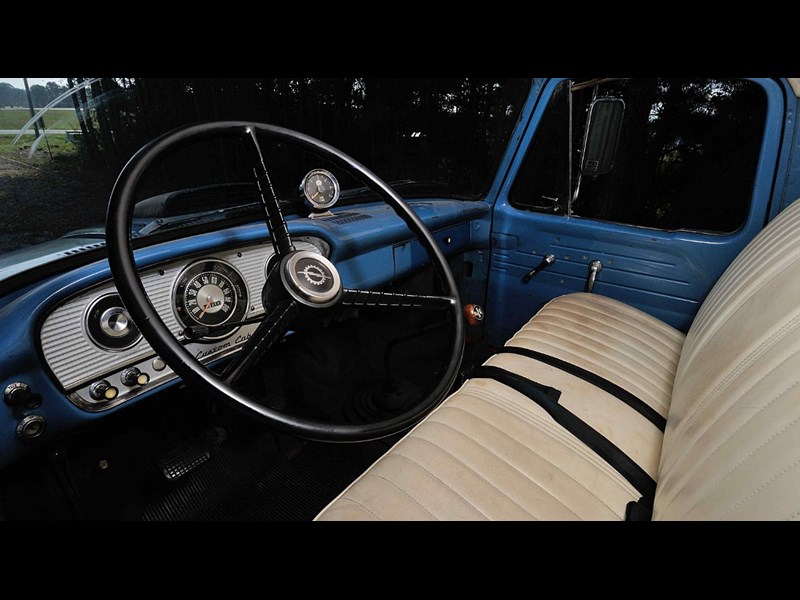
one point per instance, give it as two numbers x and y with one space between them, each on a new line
347 217
86 248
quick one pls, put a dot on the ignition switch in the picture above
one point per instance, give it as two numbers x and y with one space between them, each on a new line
17 393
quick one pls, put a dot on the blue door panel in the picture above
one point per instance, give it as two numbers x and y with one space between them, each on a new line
644 268
666 274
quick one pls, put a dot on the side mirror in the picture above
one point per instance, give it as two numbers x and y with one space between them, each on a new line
602 136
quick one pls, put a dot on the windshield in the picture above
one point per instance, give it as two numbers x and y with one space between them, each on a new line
439 138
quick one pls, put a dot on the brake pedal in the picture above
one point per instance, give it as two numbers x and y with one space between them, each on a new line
183 460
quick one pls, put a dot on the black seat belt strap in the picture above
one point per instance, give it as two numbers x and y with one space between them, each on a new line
601 445
640 510
612 388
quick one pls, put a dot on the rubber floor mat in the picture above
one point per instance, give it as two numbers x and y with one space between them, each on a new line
270 487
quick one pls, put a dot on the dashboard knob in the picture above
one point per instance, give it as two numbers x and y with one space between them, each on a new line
134 376
473 314
17 393
30 427
102 390
114 322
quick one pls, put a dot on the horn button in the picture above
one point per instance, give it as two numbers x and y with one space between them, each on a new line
311 279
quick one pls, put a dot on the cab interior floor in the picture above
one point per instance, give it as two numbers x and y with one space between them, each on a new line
245 470
180 456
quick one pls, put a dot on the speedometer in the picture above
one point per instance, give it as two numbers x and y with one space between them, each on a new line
320 189
210 292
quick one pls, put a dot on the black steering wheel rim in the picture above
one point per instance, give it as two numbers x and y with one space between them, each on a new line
137 302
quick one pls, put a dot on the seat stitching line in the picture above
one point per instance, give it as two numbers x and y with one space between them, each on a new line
744 298
608 460
361 505
651 336
652 397
735 431
549 427
608 364
554 430
502 460
748 271
619 315
409 496
667 352
682 430
613 476
454 457
610 359
546 424
743 365
512 367
752 452
759 489
625 329
608 347
397 454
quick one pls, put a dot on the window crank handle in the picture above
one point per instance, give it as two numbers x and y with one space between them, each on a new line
546 262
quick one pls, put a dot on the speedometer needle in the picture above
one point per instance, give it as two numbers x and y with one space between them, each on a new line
208 305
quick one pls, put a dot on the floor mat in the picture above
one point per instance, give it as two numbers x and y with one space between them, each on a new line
287 486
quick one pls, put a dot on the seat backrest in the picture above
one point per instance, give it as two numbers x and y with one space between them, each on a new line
732 444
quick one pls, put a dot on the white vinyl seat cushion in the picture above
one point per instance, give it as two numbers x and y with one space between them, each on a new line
490 452
626 346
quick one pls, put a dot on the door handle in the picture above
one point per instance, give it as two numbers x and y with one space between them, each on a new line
594 268
546 262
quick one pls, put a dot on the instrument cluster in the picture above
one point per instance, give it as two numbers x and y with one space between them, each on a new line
96 353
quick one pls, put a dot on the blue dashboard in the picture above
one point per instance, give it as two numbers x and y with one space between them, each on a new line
369 244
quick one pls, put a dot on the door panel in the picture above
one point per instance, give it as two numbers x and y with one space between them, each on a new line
666 274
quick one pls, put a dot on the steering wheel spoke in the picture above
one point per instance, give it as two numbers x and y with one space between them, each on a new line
367 298
281 240
271 329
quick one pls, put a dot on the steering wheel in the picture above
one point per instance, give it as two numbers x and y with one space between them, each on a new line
286 294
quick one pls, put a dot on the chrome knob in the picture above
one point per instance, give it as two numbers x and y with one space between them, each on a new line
115 322
134 376
102 390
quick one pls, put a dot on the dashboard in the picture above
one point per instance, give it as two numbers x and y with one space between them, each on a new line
99 358
69 341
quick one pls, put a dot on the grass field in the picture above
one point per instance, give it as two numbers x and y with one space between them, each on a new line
14 118
19 151
43 198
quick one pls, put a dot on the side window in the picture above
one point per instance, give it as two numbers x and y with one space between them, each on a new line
542 183
686 156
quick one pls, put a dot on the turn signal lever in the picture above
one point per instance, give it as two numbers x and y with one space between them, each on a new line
546 262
